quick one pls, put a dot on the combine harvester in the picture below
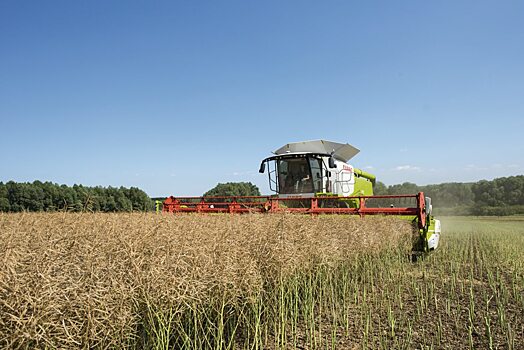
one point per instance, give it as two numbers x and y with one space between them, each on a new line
313 177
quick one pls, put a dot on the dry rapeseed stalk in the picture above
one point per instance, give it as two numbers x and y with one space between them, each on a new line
81 280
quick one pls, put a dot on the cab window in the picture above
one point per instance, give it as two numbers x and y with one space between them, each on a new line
316 171
294 176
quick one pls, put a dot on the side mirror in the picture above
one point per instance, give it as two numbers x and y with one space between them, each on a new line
262 167
332 163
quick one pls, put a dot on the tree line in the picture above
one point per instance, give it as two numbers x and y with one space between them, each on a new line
501 196
47 196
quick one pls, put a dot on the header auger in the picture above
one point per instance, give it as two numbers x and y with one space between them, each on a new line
313 177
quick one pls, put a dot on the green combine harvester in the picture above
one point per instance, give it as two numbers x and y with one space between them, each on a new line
313 177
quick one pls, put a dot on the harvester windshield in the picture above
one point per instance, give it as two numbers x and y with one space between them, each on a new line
298 175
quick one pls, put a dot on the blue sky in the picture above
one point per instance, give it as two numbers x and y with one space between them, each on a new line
176 96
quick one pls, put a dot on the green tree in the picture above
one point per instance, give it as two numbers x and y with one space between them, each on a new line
449 194
139 199
39 196
380 189
405 188
4 200
233 189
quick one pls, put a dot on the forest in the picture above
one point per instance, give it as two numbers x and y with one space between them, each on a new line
501 196
47 196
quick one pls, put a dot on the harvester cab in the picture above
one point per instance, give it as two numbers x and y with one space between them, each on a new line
313 168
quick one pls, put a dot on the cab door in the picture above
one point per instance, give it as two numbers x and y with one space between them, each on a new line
315 165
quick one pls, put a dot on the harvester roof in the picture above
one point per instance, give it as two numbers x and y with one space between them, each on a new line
341 151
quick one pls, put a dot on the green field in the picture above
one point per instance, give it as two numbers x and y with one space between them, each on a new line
146 281
468 294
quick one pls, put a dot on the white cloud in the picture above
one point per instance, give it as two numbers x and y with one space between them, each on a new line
369 167
407 168
495 166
